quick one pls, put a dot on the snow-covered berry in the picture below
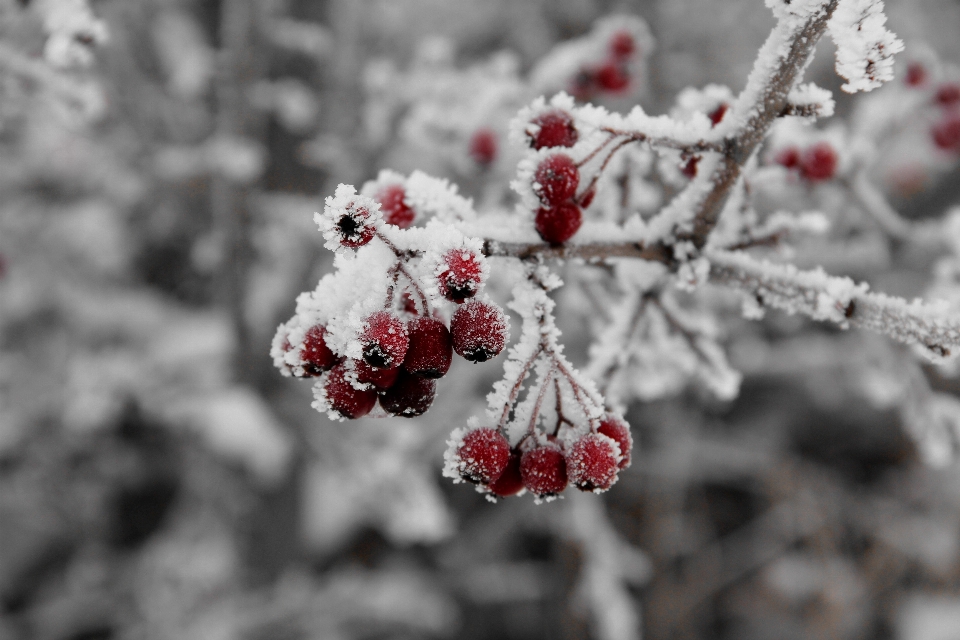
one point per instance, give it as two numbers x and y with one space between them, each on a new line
484 146
381 379
384 340
616 428
431 348
689 168
553 128
315 354
343 397
393 207
613 77
462 274
717 114
410 396
559 223
592 462
479 330
510 482
818 161
622 44
916 74
788 157
483 455
544 471
946 132
948 94
556 179
348 219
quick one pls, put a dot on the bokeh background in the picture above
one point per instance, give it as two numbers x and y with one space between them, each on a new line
160 479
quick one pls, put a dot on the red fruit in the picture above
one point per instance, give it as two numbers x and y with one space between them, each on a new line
946 133
689 169
948 94
356 228
916 74
544 471
410 396
381 379
788 157
462 274
343 398
483 146
555 129
407 303
315 354
717 114
395 210
613 77
556 179
483 455
384 339
431 348
818 162
510 482
558 224
587 197
617 429
479 330
622 44
592 463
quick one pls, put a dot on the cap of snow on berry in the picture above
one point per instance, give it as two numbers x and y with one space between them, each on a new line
348 219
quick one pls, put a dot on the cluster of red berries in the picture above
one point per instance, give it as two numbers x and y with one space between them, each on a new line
555 182
590 463
612 74
946 131
815 163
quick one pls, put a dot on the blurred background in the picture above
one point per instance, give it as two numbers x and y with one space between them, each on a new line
160 161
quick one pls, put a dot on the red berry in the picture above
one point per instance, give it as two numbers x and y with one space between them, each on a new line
587 197
818 162
381 379
558 224
617 429
622 44
916 74
431 349
510 482
483 455
410 396
717 114
789 157
583 84
315 354
479 330
613 77
544 471
342 397
356 227
483 146
948 94
395 210
556 179
592 462
384 339
462 274
555 129
946 133
407 303
689 169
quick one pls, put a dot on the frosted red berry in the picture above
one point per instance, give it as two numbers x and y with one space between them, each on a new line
479 330
381 379
592 462
948 94
818 161
462 274
616 428
315 354
559 223
544 471
689 168
510 482
395 211
356 227
484 146
717 114
343 397
613 77
556 179
789 157
916 74
946 132
622 44
431 348
410 396
384 340
483 455
553 129
587 197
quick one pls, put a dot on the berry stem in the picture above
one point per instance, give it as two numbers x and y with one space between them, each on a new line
401 269
669 143
603 166
517 386
561 419
535 414
592 154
